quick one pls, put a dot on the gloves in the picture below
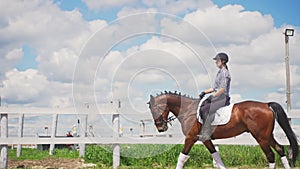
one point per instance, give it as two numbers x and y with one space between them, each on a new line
209 99
201 95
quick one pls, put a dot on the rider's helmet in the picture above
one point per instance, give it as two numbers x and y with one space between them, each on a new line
222 56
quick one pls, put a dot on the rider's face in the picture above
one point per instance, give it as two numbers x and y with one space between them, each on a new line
219 63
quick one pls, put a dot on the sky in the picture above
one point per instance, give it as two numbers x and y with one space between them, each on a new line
63 53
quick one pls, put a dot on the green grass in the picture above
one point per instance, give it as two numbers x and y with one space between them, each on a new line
35 154
233 156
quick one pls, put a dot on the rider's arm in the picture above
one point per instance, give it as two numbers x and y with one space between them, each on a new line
219 92
210 90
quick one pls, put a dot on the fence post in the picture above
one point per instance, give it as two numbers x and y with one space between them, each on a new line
53 133
4 134
20 134
116 147
83 135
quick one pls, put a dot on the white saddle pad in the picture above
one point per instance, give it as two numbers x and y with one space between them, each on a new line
222 116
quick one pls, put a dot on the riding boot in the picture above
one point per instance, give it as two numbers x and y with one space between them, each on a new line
207 129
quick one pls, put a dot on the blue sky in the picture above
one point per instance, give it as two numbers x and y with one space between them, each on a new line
282 11
89 15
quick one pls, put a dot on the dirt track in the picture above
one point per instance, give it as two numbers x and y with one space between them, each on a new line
47 163
54 163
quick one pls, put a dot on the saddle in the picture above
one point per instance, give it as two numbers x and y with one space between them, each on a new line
222 115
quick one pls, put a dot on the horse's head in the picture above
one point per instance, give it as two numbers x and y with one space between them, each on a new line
160 112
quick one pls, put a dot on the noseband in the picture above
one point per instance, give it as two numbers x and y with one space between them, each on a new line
160 117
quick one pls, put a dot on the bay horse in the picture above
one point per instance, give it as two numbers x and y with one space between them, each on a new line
249 116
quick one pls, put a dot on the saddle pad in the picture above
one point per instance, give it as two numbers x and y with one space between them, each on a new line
222 116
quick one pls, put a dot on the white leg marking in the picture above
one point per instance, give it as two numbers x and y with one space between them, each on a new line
217 158
181 160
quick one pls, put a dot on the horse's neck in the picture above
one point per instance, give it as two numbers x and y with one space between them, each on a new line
184 109
186 114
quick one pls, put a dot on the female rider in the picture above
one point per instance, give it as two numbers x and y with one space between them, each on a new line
218 99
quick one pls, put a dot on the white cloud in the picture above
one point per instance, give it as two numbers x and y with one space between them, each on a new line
255 47
24 86
40 23
298 104
230 24
59 66
178 6
106 4
15 54
169 6
31 88
294 73
235 98
96 25
47 29
127 11
277 97
57 37
9 59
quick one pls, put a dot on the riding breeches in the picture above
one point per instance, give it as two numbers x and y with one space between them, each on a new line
210 108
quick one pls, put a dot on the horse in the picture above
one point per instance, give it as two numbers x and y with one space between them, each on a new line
255 117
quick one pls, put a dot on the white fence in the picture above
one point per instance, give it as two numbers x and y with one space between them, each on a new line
115 140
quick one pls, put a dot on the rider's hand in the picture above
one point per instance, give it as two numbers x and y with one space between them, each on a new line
201 95
209 98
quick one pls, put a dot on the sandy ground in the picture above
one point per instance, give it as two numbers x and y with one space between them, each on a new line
54 163
49 163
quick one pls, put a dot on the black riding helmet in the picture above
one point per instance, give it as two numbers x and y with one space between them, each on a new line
222 56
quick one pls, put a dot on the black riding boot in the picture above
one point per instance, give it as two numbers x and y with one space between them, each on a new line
207 128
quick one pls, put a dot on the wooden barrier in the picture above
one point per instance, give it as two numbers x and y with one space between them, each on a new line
4 134
20 134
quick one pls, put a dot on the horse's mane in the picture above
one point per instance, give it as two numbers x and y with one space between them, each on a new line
176 94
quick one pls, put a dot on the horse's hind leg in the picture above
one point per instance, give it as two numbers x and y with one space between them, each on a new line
280 150
265 146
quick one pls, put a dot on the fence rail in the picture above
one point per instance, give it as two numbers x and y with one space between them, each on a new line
116 140
244 139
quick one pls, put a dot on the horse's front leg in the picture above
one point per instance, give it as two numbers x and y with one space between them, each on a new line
190 140
215 154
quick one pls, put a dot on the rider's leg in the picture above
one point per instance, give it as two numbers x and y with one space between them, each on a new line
205 133
210 109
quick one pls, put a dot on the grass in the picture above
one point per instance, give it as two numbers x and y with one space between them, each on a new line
35 154
233 156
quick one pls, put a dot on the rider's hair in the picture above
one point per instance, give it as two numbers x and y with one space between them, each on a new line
225 64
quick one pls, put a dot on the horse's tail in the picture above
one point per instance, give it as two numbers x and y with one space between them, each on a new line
283 121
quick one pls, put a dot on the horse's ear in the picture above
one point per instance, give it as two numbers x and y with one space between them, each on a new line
152 100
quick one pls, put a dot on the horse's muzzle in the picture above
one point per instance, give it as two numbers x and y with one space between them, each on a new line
162 128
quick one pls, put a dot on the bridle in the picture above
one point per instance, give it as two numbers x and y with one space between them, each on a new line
160 117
